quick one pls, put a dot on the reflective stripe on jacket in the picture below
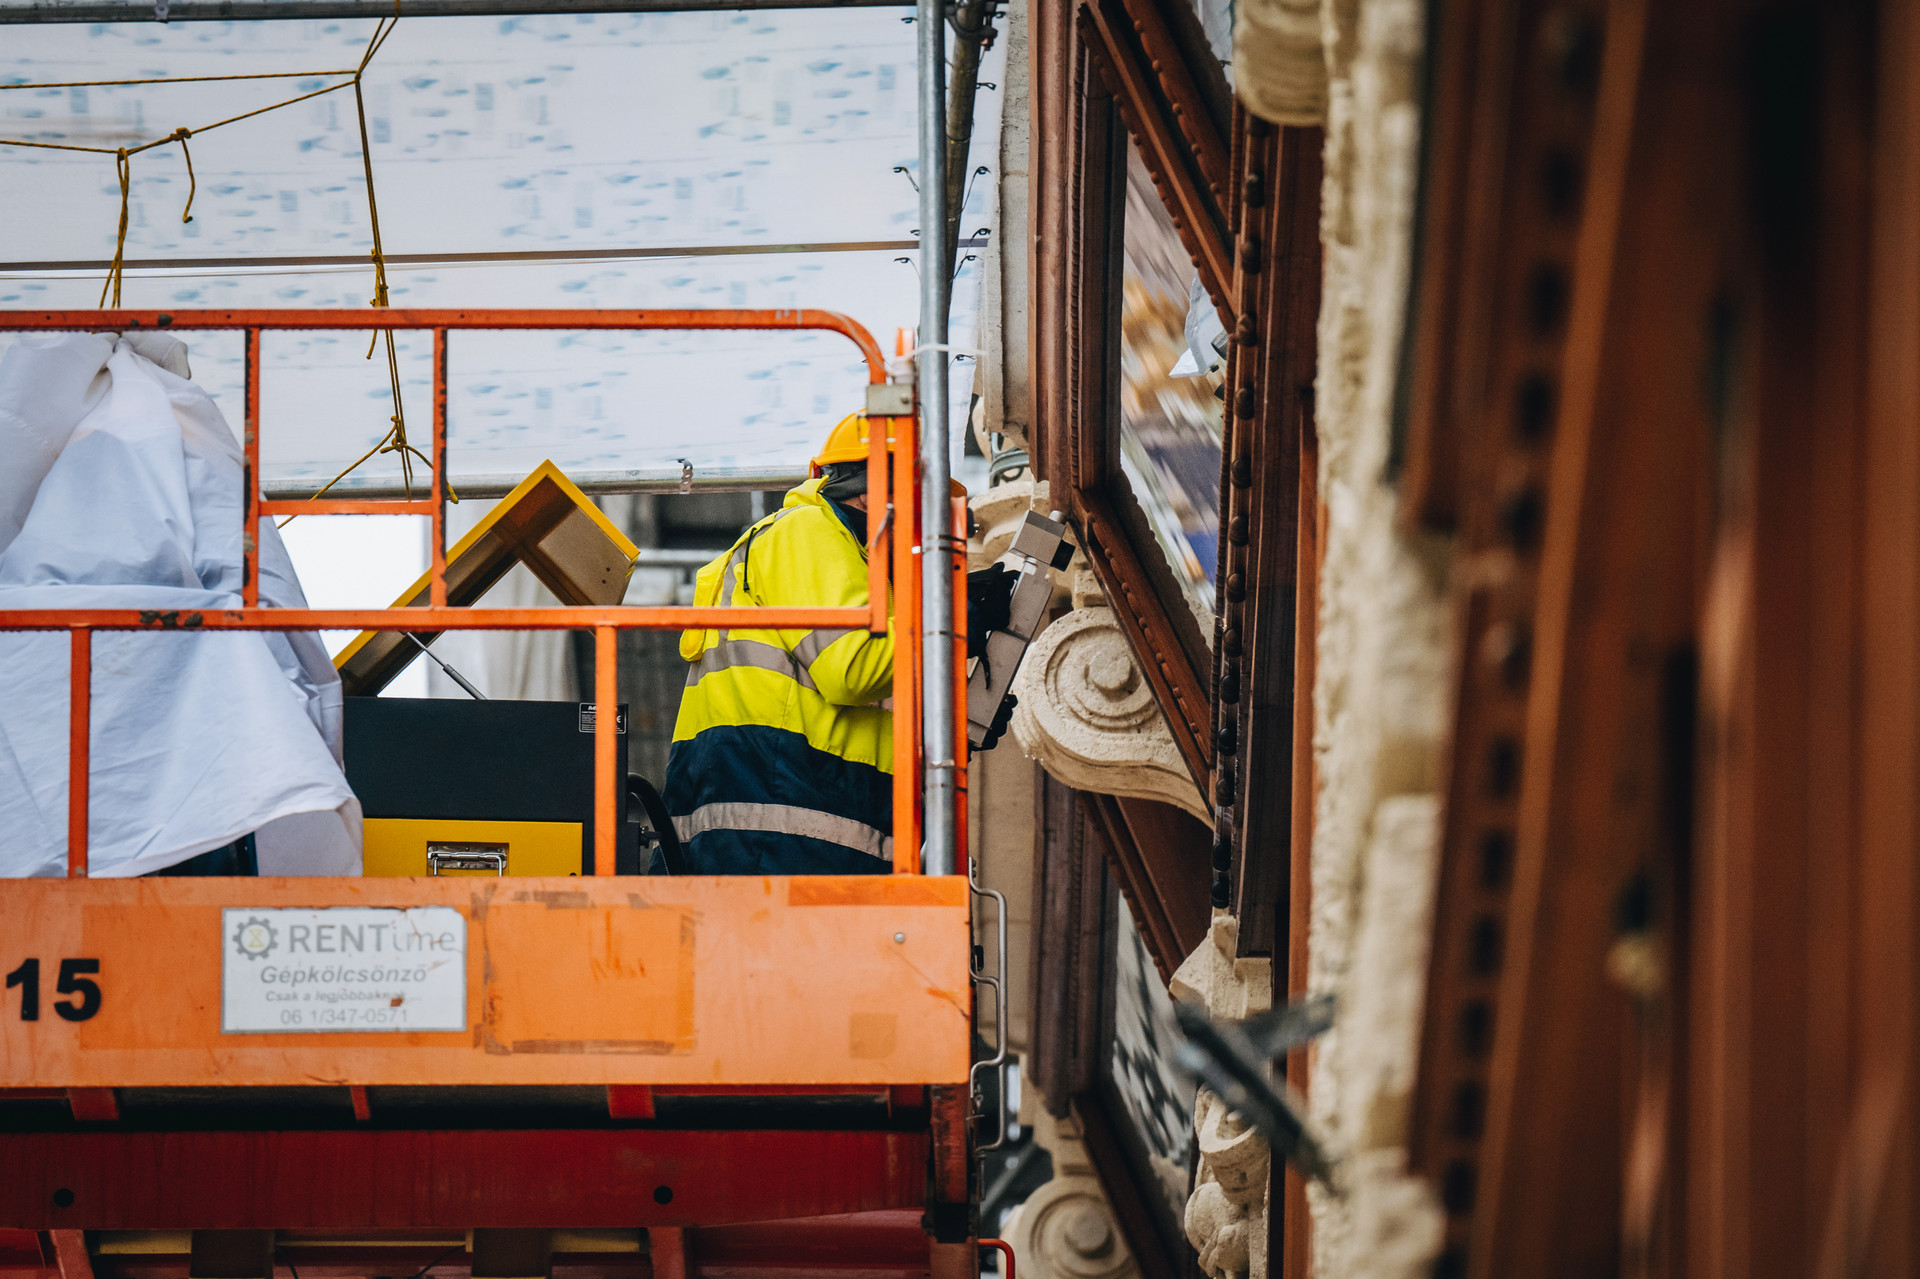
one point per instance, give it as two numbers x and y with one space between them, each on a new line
782 760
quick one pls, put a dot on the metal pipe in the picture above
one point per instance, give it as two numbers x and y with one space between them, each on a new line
558 617
79 748
250 474
936 533
678 556
37 11
606 748
446 666
719 479
766 319
971 19
437 523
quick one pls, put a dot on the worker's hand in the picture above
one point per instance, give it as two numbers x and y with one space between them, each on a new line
997 729
989 596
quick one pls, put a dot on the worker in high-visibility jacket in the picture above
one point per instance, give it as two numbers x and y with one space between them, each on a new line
782 758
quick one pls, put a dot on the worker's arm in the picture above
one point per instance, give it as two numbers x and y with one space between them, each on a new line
817 566
855 668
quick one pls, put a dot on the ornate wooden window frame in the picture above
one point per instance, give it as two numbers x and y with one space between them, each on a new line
1244 197
1071 1057
1103 69
1269 509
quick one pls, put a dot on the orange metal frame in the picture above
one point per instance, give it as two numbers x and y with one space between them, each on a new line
901 517
887 954
803 981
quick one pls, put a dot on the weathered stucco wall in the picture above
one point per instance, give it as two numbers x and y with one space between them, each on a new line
1381 679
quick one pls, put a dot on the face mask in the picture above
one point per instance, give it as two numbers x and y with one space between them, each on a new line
856 521
845 481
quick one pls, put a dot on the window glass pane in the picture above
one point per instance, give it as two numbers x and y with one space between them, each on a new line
1156 1095
1216 20
1170 426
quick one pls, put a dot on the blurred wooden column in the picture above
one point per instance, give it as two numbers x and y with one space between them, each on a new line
1671 1019
1788 637
1871 1226
1801 1020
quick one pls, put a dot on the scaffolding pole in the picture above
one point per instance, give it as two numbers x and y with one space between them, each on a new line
594 483
936 535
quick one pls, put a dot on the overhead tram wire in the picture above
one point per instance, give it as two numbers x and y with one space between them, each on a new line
85 11
294 264
174 79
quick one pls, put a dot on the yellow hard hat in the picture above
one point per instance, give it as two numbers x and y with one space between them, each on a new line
846 442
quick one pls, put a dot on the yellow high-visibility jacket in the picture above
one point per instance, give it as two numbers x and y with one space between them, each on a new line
782 759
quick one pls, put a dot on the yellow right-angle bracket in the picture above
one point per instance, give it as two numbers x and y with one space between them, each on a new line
547 524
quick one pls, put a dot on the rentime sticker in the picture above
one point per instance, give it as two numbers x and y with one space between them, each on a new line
345 968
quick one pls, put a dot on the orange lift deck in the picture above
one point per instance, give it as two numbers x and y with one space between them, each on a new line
627 1076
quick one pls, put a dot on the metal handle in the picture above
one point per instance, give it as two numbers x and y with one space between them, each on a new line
444 857
998 1062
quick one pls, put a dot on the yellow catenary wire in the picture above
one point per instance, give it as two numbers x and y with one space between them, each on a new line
183 133
124 166
395 440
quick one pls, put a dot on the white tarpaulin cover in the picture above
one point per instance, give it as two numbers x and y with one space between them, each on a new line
120 487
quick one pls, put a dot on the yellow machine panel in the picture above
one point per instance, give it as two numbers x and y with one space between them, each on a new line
442 846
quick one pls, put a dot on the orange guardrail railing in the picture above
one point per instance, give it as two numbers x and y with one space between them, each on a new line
894 559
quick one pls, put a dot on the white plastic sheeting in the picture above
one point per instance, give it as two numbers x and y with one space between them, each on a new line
120 487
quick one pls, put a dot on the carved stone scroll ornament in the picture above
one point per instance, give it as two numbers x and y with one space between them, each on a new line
1066 1229
997 514
1226 1219
1227 1213
1087 714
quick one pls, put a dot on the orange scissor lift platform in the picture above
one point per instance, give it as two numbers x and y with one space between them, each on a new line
644 1076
